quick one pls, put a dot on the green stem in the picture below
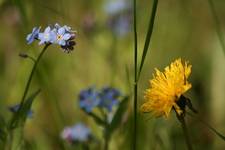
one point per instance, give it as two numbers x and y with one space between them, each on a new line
31 75
84 146
13 121
10 134
106 132
184 127
106 144
135 74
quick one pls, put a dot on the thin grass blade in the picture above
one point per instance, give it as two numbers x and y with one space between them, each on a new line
208 126
117 119
149 35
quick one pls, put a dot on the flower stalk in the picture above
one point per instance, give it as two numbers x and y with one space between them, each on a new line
106 144
135 74
31 74
182 121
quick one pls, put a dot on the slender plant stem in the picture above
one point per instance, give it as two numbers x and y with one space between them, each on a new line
135 74
10 134
106 144
184 127
207 125
217 25
31 75
187 137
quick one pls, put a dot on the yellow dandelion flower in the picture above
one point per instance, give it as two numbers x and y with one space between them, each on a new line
166 88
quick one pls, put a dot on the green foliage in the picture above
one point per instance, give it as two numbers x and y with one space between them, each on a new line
97 119
119 114
19 118
3 134
149 35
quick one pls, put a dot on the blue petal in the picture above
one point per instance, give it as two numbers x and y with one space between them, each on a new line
57 26
62 42
61 30
41 42
47 29
29 39
66 36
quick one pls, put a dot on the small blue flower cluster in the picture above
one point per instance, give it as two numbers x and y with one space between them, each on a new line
119 16
16 107
76 133
61 35
105 98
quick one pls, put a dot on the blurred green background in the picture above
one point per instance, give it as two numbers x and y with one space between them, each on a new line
101 57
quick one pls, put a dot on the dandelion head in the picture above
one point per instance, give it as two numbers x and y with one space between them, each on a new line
166 88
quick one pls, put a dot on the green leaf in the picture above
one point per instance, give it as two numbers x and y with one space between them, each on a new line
208 126
97 119
117 119
129 85
149 35
19 118
2 122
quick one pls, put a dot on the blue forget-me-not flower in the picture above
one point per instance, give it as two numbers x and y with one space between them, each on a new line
109 97
33 35
61 35
88 99
77 133
105 98
48 36
119 16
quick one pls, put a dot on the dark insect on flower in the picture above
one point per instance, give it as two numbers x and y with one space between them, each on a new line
69 46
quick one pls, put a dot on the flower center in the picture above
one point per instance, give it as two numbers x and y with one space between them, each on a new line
46 36
59 37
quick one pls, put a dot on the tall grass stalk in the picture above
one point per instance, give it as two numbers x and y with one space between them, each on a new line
144 53
149 35
135 74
